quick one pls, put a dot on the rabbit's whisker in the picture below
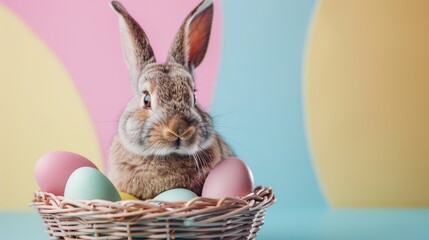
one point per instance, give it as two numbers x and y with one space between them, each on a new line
224 114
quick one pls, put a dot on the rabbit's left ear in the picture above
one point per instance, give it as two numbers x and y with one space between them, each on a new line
190 45
135 44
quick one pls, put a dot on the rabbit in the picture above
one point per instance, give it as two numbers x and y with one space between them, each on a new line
164 140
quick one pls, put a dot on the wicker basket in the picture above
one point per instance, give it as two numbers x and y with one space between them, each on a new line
199 218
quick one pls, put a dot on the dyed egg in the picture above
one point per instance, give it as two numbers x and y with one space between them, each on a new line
54 168
126 196
231 177
176 194
88 183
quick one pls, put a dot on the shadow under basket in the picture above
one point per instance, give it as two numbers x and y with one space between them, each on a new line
199 218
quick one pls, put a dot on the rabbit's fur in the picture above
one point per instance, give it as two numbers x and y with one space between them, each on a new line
170 143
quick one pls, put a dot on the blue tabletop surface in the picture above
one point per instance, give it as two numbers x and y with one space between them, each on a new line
293 224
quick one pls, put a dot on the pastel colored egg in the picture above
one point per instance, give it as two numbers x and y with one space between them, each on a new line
231 177
176 194
53 169
88 183
126 196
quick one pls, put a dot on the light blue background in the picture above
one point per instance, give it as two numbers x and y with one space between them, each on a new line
258 107
298 224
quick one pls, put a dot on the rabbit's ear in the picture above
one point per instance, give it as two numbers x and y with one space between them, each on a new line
135 44
190 44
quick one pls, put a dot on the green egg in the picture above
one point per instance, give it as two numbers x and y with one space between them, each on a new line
88 183
176 194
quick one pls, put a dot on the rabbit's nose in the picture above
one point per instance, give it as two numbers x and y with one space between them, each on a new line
178 128
187 133
179 133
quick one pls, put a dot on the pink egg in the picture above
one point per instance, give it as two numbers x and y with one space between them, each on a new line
53 169
231 177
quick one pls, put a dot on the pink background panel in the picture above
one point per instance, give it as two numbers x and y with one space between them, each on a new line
85 37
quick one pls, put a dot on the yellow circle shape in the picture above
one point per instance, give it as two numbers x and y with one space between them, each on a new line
367 102
41 111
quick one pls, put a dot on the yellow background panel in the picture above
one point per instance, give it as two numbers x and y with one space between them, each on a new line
41 111
367 97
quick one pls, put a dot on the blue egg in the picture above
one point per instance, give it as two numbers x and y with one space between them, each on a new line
175 195
88 183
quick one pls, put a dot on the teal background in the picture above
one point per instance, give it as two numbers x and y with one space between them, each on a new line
258 108
297 224
258 104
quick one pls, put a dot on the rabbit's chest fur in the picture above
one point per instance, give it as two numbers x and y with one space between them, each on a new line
146 177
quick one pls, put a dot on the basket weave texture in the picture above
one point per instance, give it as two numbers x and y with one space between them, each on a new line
199 218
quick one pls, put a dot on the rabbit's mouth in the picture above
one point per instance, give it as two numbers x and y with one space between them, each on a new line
177 146
177 143
153 144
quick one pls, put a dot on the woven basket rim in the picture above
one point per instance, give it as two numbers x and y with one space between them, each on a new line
198 218
48 203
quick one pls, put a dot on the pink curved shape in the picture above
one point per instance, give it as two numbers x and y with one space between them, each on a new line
85 37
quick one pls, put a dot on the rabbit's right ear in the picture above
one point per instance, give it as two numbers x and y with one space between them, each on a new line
190 44
135 44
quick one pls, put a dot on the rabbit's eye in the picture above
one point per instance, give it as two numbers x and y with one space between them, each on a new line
146 100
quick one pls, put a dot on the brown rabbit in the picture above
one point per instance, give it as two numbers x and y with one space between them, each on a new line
165 140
